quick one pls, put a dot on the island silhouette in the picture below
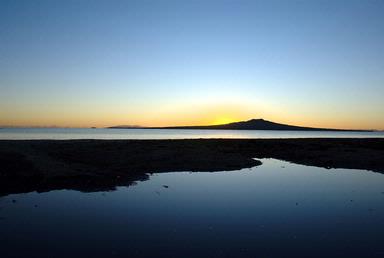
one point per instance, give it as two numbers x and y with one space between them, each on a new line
253 124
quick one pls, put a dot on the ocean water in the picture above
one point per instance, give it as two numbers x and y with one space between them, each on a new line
103 133
278 209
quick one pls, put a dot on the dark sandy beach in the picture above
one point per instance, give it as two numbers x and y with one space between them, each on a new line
91 165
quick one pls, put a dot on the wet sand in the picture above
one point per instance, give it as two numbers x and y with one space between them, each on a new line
92 165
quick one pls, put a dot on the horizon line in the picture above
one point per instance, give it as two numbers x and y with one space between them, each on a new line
167 126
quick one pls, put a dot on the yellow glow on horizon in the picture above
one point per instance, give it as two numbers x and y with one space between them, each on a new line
184 114
223 120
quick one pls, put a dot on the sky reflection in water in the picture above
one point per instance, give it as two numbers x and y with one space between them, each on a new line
103 133
278 209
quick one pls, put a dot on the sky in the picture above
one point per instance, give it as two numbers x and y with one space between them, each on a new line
157 63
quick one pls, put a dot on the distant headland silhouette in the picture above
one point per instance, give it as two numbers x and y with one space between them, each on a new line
253 124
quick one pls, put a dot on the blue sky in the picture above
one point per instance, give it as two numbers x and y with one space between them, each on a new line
100 63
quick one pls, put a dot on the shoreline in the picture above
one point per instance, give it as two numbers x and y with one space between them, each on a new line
99 165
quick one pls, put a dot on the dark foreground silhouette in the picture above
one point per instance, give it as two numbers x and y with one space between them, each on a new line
93 165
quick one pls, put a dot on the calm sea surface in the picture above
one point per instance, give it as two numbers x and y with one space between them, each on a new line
65 133
278 209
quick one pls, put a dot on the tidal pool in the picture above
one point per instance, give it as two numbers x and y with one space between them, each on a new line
278 209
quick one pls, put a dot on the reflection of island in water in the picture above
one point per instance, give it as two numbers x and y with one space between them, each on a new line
92 165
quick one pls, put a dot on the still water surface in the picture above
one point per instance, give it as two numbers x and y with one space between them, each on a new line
103 133
278 209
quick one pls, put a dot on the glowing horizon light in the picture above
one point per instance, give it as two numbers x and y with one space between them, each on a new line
223 120
192 63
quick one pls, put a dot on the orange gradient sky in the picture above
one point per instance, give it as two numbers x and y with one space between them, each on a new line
187 114
306 63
